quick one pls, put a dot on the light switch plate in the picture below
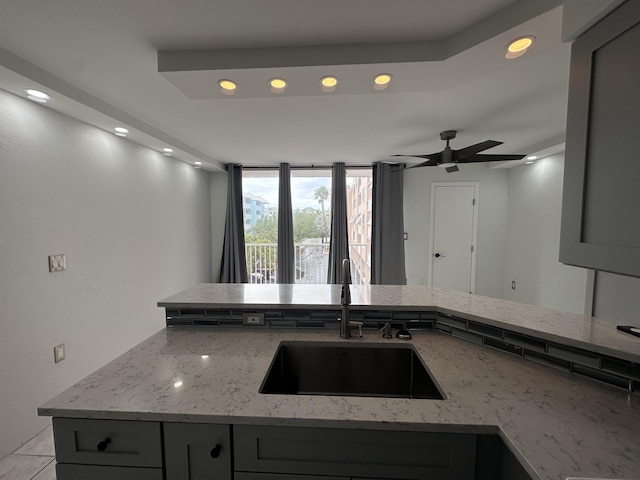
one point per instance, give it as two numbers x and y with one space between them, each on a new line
57 263
58 353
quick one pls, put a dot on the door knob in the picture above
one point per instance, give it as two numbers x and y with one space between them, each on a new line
437 255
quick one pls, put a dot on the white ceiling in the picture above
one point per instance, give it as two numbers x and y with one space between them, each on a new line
99 60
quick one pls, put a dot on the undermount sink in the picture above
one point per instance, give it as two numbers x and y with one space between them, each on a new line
361 370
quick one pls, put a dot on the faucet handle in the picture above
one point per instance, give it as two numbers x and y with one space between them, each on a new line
386 330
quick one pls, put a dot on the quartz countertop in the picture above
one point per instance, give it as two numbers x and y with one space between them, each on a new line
581 331
558 425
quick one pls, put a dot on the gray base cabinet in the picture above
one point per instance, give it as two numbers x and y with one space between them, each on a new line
354 453
197 451
137 450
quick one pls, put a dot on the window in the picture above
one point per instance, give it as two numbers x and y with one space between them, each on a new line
359 205
311 205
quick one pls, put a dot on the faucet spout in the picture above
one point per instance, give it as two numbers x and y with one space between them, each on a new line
345 300
345 297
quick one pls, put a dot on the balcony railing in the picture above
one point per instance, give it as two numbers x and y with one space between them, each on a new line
311 262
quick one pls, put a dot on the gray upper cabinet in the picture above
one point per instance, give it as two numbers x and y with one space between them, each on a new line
601 196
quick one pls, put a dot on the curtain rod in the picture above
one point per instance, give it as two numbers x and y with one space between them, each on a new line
303 167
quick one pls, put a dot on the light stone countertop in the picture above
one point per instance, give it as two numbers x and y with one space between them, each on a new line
557 424
582 331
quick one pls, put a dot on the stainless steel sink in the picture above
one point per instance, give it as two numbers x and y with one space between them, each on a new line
361 370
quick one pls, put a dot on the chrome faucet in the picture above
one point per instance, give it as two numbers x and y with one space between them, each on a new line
345 300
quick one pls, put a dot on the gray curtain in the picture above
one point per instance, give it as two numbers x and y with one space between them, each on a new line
387 226
339 243
234 258
286 260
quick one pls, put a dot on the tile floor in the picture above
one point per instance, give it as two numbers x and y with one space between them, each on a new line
32 461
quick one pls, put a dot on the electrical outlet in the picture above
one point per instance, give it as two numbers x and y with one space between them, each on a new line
513 284
57 263
58 353
253 319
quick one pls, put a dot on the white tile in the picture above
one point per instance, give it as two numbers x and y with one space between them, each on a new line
49 473
41 444
22 467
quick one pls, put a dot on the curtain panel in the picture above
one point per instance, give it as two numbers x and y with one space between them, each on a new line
233 267
339 243
387 225
286 250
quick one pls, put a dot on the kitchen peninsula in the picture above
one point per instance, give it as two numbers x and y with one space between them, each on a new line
205 370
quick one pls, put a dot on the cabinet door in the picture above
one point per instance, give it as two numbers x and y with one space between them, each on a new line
197 451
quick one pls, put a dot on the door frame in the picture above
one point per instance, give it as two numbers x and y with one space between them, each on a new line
474 226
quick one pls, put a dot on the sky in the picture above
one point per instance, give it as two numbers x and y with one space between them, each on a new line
302 189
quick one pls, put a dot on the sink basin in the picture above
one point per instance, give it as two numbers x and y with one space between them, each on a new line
361 370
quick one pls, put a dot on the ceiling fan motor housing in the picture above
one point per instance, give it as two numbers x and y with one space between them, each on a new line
448 134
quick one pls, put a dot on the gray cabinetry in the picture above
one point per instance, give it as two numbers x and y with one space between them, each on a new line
197 451
601 194
354 453
100 449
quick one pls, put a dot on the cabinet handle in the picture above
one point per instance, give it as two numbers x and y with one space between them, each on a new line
215 451
102 446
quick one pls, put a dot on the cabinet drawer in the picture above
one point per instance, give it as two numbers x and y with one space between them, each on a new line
108 442
84 472
355 453
279 476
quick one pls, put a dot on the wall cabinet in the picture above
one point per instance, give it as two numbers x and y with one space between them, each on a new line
601 198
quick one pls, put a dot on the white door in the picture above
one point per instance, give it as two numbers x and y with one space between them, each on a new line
453 236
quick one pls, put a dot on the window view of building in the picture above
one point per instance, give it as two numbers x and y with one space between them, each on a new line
311 205
359 205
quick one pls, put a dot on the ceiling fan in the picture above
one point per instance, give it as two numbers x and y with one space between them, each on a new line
449 158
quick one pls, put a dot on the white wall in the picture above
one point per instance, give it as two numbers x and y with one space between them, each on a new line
492 222
135 226
218 188
617 299
533 237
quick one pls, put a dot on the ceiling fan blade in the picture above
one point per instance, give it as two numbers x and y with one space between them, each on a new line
473 149
491 158
428 163
428 157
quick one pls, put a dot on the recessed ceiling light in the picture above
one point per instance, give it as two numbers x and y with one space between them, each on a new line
197 163
380 82
228 87
37 95
178 384
121 131
532 157
328 83
278 85
167 151
519 46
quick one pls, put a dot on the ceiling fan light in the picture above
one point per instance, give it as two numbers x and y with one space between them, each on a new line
447 164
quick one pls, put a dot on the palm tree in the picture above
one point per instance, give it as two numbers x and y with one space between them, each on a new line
321 194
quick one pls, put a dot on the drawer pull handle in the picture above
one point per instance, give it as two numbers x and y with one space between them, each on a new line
102 446
215 451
